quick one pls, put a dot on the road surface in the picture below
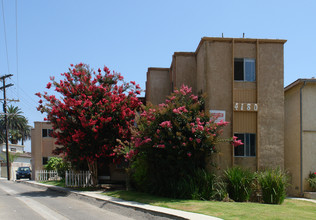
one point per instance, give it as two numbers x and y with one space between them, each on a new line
21 201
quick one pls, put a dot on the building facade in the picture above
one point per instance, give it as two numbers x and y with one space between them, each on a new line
243 80
42 149
300 133
42 145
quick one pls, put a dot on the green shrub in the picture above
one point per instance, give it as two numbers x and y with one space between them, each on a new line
273 183
173 141
312 181
239 183
58 164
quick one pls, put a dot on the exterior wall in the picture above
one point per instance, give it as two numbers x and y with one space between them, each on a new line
158 85
200 69
218 79
309 131
292 138
271 106
184 70
41 146
19 148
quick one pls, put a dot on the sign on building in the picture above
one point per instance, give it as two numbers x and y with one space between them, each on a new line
218 114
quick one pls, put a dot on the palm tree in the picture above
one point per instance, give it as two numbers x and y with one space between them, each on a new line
17 125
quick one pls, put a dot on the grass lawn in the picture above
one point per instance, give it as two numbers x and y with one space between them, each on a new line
54 183
290 209
62 184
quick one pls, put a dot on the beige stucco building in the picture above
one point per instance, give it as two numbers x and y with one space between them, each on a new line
243 79
42 145
42 149
300 132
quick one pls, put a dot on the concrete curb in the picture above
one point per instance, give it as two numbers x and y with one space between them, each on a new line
134 209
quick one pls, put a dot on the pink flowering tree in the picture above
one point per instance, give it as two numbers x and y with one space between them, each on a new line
94 109
173 141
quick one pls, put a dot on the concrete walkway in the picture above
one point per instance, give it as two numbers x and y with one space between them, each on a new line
95 197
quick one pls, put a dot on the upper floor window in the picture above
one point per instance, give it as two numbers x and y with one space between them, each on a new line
248 149
47 132
13 149
245 69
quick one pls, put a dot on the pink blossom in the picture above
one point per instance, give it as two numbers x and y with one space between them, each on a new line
224 123
191 139
237 143
166 124
189 154
161 146
48 85
198 140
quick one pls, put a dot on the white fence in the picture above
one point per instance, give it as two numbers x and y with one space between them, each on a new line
78 179
44 175
72 179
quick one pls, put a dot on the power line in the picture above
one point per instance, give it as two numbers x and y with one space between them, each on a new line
5 37
17 50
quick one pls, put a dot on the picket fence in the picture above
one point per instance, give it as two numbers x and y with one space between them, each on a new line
78 179
44 175
72 179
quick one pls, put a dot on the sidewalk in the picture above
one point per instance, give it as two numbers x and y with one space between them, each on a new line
111 203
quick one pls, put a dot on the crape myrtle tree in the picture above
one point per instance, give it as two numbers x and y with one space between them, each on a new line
94 109
172 144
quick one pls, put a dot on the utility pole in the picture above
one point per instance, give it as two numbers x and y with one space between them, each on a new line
6 120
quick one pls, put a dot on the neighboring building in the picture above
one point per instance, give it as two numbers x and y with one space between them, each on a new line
42 145
42 149
243 80
300 133
20 158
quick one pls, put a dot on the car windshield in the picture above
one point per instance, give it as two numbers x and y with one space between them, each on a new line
24 169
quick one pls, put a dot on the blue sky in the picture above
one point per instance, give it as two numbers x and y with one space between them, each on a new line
130 36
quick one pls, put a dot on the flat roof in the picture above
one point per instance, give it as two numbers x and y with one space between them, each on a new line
239 40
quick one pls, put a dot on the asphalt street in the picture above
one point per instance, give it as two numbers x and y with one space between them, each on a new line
20 201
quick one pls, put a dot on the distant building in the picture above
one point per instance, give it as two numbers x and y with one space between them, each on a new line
300 133
42 145
243 80
42 149
19 156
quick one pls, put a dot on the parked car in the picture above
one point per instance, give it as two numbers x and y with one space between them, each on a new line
23 172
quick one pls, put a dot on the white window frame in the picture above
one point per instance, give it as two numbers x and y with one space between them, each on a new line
245 60
247 145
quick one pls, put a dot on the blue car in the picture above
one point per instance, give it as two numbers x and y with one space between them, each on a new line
23 172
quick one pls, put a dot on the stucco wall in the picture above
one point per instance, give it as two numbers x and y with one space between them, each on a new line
41 146
185 70
158 85
200 69
309 131
271 105
219 91
292 138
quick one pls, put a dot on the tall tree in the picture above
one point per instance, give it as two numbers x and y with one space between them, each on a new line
17 124
94 110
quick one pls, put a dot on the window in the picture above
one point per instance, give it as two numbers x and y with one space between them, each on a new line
45 160
47 132
248 149
13 149
245 69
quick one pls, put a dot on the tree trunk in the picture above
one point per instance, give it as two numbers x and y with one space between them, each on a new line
93 168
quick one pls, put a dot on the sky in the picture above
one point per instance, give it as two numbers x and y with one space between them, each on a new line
40 38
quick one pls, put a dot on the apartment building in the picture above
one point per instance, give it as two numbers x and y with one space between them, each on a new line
243 80
42 145
300 133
